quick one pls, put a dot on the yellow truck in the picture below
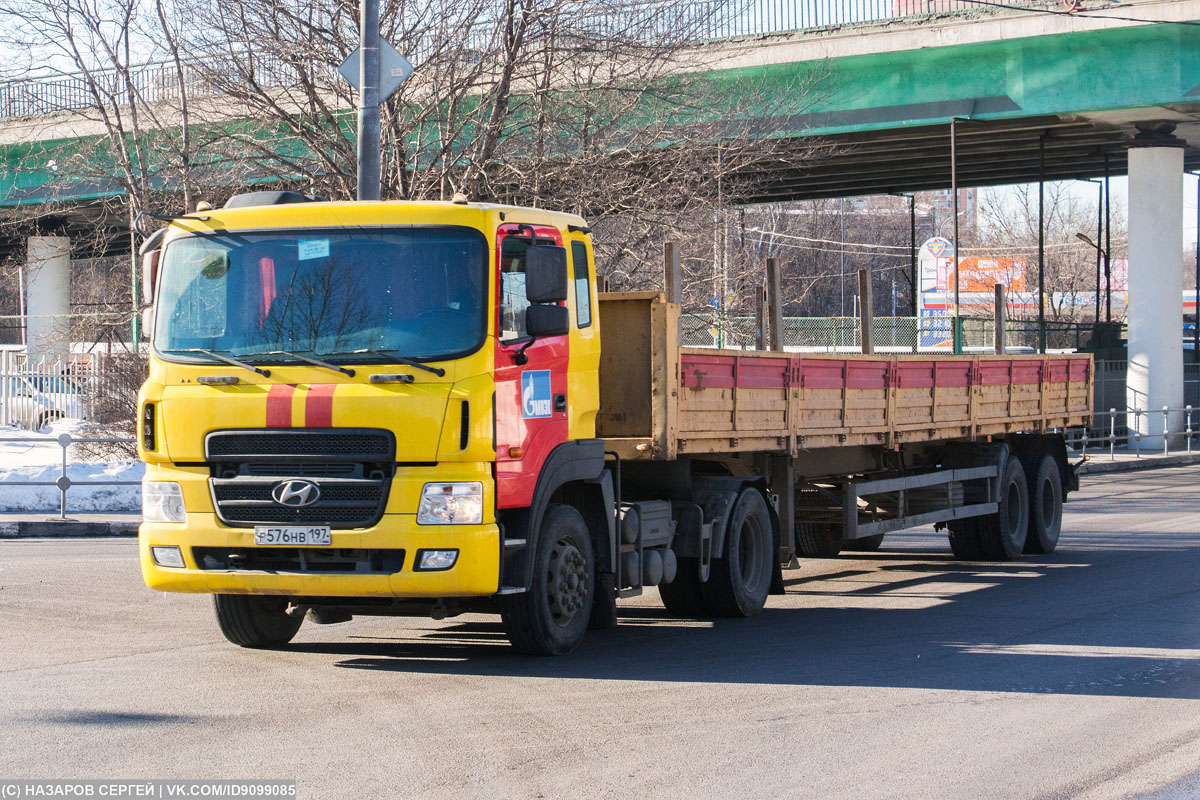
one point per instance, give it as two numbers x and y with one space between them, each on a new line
426 408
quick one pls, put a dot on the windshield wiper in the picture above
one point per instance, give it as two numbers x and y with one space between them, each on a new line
266 373
405 360
314 361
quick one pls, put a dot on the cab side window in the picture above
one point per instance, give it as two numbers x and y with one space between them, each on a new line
583 286
513 301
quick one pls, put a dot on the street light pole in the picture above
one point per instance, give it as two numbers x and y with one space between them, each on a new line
368 101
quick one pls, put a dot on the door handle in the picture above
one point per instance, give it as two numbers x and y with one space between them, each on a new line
560 402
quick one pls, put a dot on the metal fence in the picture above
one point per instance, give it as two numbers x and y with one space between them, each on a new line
34 394
699 20
1112 429
64 482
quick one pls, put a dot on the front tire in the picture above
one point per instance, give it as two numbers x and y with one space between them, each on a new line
258 622
741 578
551 617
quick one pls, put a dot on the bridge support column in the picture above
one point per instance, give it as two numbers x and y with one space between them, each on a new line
1155 370
49 308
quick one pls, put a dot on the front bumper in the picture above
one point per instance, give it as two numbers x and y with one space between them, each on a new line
476 573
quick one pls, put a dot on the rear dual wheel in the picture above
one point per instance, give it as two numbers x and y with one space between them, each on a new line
1000 536
740 575
1045 507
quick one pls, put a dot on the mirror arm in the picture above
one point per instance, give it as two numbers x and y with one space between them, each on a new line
519 358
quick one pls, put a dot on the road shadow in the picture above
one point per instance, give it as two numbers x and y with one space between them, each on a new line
1083 621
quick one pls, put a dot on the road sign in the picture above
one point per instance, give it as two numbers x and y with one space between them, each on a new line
393 69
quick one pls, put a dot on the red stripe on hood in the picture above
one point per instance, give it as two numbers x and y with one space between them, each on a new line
318 406
279 406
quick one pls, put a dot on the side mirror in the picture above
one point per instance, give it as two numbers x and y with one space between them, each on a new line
150 275
546 274
547 321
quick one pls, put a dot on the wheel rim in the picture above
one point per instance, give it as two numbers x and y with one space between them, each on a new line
750 560
566 582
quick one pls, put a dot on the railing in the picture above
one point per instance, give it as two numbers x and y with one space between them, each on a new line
698 20
64 481
1113 426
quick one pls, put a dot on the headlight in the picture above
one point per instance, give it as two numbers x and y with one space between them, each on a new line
451 504
162 501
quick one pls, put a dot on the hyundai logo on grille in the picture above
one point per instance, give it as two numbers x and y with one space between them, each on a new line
296 494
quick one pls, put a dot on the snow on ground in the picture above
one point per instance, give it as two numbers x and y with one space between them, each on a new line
41 460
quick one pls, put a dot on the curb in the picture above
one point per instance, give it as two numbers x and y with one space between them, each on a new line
1133 464
53 528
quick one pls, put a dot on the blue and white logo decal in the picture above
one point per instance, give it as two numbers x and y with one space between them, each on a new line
536 401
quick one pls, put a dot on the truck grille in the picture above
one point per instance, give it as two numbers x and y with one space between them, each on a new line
332 444
343 503
352 468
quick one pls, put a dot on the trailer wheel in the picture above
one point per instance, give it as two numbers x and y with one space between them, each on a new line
867 544
255 621
964 539
1002 535
818 540
552 616
1045 507
682 597
741 577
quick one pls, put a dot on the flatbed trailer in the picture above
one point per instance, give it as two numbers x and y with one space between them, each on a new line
851 446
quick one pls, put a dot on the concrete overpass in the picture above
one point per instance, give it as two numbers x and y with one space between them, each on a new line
1039 92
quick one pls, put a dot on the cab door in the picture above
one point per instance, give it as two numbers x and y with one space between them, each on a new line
531 374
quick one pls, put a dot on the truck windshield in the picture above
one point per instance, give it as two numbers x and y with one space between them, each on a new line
417 292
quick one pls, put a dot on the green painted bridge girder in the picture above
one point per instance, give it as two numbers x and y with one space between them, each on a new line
1063 74
1066 74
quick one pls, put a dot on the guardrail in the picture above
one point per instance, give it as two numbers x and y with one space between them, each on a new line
64 482
1079 439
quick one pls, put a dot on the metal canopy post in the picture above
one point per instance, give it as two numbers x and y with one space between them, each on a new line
957 332
1042 244
1099 237
368 101
1196 293
912 250
1107 245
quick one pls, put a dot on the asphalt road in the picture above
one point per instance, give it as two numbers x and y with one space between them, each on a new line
905 674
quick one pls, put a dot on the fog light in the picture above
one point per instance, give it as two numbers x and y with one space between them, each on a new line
167 556
431 560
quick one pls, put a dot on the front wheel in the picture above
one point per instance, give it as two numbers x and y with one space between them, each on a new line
258 622
551 617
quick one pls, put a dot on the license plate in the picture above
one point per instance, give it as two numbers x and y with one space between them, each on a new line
293 535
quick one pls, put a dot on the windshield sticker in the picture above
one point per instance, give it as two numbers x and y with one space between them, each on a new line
535 394
313 248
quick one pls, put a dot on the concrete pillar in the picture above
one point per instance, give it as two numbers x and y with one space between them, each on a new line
49 306
1155 373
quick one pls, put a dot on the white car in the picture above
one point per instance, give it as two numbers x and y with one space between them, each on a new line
33 401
